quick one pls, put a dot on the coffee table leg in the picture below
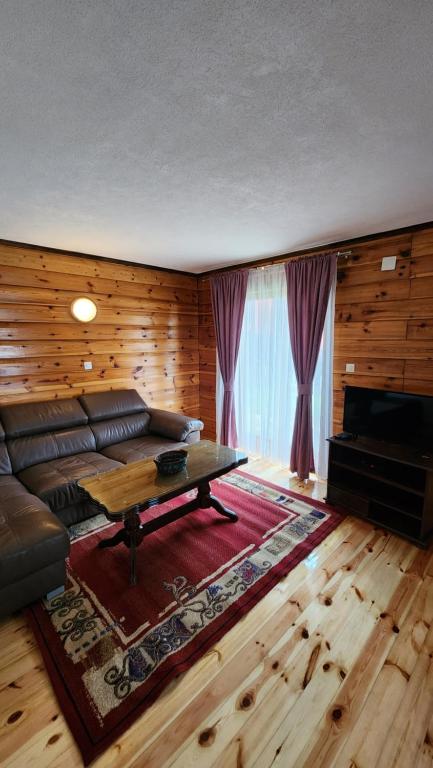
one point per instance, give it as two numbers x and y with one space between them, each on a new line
205 500
132 527
133 560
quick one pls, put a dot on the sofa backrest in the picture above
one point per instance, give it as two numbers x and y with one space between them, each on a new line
5 464
39 432
116 416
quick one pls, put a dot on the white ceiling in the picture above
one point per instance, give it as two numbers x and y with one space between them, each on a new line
199 133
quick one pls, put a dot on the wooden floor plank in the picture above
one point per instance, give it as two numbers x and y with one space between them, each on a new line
266 694
319 699
265 691
425 756
365 742
408 731
333 732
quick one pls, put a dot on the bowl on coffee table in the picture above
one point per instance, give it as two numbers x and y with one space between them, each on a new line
171 462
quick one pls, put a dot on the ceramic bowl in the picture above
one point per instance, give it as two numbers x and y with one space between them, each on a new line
171 462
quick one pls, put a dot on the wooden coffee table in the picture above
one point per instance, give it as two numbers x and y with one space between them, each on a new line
123 493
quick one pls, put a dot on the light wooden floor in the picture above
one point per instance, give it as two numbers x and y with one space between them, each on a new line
332 668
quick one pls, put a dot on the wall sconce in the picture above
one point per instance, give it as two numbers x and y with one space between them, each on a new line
84 309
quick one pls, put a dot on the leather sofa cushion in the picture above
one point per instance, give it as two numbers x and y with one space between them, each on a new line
35 418
112 404
126 427
5 464
55 482
31 537
140 448
35 449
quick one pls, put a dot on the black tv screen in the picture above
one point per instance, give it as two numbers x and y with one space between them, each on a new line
396 417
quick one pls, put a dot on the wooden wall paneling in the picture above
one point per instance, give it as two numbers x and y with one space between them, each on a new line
379 290
408 349
384 320
385 329
136 363
421 266
116 301
421 287
341 380
418 386
59 347
420 329
360 274
25 313
420 371
422 244
384 310
374 367
338 410
145 334
70 264
28 278
66 331
371 252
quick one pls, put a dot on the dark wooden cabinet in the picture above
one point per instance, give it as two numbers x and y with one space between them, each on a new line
389 485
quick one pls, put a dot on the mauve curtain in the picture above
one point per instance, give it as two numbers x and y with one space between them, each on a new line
309 283
228 292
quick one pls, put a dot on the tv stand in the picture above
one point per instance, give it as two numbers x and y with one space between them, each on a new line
388 484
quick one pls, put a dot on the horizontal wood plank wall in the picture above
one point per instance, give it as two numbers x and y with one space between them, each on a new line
207 352
145 335
384 320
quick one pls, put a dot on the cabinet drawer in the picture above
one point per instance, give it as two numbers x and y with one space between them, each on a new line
345 499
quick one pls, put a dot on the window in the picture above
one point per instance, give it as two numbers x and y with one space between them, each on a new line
265 385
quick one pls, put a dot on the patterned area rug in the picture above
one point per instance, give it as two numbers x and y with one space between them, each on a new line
110 649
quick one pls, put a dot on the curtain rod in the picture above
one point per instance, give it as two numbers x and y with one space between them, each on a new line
274 262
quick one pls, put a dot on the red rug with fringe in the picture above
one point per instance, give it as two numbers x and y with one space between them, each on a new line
111 648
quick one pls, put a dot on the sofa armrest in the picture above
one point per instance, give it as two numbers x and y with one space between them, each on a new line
175 426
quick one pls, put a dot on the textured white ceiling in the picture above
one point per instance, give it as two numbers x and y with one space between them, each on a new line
199 133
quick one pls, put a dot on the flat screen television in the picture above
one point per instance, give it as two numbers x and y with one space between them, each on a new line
395 417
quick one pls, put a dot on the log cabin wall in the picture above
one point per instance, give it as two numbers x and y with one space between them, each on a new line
155 332
145 335
383 321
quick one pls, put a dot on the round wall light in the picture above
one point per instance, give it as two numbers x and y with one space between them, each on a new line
84 309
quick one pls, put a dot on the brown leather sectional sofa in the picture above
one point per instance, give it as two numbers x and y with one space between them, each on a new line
45 448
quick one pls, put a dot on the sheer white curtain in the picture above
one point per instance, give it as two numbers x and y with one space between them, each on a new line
265 385
322 392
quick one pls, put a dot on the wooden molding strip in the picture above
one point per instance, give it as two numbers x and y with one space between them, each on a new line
266 260
134 264
325 247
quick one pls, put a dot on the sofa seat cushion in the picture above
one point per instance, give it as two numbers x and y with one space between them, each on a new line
31 537
140 448
55 482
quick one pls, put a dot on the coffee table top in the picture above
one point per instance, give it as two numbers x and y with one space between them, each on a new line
139 483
